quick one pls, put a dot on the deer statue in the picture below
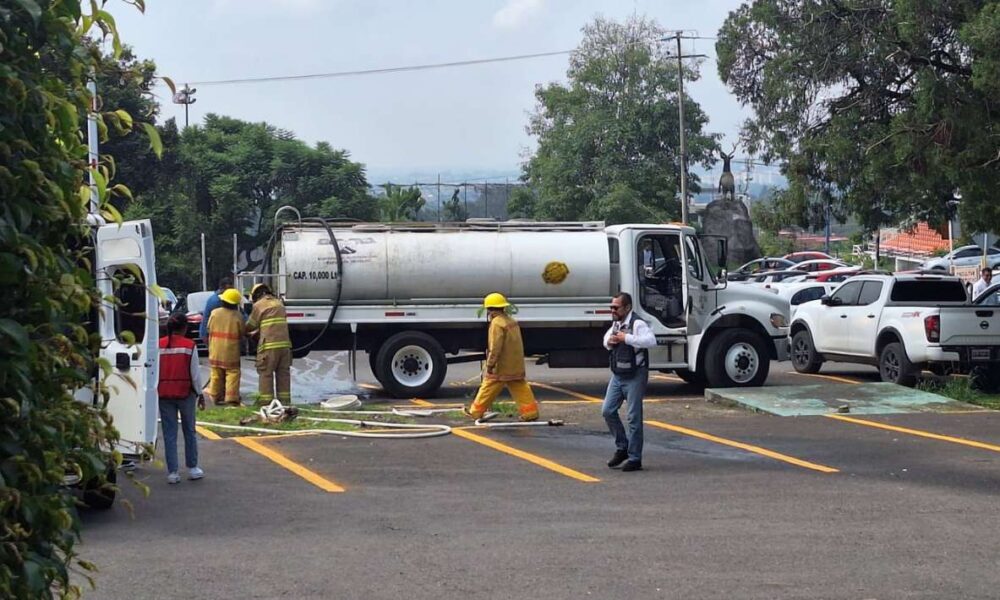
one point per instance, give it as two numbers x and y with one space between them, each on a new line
727 183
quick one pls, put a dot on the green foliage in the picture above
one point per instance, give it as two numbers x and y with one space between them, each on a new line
883 108
229 177
400 204
46 350
608 139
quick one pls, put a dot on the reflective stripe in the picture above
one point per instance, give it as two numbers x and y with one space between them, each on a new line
221 364
223 336
273 321
274 346
176 351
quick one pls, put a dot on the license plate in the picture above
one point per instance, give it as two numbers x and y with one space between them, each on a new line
980 354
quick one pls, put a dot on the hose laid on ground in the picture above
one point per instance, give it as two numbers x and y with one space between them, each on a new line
276 409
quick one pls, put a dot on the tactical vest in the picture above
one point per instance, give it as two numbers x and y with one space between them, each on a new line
625 359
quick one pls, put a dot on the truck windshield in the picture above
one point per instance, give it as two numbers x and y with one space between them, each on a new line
928 292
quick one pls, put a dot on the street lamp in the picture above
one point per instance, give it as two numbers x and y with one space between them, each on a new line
950 211
184 96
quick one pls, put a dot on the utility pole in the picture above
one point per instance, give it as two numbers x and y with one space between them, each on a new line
439 197
185 96
92 150
680 112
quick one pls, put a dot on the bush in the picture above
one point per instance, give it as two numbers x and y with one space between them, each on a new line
47 293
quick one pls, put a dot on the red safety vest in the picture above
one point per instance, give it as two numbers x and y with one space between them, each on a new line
175 367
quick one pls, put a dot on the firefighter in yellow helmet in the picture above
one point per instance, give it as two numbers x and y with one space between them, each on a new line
504 363
225 331
274 347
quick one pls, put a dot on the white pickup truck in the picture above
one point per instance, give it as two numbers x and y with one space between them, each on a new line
902 324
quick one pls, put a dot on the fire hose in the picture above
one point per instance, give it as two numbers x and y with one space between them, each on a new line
276 412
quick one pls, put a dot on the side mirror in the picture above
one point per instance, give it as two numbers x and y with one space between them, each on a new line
723 253
826 301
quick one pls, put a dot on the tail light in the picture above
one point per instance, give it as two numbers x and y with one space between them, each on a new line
932 328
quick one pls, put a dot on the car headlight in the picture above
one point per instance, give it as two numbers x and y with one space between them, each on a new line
778 320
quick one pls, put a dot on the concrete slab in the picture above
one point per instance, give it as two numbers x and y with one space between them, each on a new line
825 398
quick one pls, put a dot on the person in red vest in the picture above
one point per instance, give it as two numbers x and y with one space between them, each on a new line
179 388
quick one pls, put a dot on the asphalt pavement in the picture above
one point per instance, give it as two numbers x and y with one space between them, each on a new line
730 504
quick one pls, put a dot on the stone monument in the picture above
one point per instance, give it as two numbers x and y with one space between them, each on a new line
729 217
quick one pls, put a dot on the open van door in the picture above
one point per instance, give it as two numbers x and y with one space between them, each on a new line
129 329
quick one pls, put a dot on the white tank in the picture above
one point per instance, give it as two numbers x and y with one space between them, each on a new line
445 263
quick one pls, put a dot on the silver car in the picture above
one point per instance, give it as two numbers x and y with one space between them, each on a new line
966 256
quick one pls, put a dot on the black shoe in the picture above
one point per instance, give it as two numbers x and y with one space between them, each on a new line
619 457
632 465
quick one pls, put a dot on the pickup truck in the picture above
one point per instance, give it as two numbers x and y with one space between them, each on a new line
901 324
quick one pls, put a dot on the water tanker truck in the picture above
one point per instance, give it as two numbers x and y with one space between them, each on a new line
410 295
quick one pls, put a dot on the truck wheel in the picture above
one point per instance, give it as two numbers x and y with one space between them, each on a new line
737 358
692 377
97 497
805 359
895 367
411 364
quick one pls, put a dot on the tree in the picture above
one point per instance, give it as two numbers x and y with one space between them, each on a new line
883 109
400 204
229 177
614 126
48 291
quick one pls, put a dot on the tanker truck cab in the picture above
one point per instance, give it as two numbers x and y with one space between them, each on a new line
410 296
706 332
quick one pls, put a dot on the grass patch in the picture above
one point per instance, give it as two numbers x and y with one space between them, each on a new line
231 415
960 388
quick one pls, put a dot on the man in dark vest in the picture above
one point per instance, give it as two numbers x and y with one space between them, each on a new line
627 340
179 388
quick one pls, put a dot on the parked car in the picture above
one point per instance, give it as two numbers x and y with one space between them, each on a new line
800 292
797 257
836 275
760 265
777 276
195 306
966 256
166 306
899 323
816 265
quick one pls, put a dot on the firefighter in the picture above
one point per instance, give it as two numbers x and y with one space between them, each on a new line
225 332
274 346
504 363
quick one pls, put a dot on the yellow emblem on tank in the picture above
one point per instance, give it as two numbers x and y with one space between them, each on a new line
555 272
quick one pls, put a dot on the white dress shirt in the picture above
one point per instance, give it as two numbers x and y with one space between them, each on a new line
640 337
979 287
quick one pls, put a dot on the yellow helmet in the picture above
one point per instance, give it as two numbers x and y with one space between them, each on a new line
232 296
262 287
495 300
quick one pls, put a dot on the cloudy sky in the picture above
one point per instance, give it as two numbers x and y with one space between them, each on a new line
457 119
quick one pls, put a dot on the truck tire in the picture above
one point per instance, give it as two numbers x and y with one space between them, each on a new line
97 497
373 363
692 377
805 359
411 364
737 358
895 367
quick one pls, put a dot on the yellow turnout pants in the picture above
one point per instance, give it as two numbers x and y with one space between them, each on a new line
274 369
519 389
224 385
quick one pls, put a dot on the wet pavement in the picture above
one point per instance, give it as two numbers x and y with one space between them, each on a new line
730 504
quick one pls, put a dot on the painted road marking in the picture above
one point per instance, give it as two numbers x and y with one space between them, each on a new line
917 432
420 402
369 386
565 391
748 447
830 377
275 456
669 378
206 433
532 458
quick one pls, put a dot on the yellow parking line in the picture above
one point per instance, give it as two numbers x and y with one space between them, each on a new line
275 456
669 378
565 391
830 377
369 386
206 433
420 402
748 447
532 458
917 432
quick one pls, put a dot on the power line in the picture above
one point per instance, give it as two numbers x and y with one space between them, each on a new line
408 68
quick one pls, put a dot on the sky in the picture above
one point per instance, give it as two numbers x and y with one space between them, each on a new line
458 119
